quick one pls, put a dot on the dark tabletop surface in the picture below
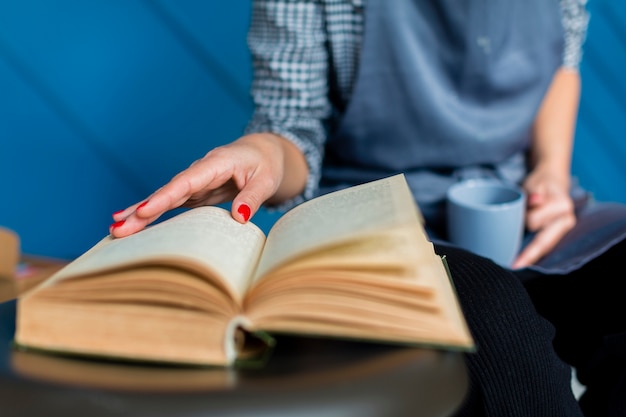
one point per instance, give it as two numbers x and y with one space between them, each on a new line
303 377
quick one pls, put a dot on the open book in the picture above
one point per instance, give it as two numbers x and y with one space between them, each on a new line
192 289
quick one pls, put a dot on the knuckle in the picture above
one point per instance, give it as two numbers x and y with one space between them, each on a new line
254 199
268 184
570 221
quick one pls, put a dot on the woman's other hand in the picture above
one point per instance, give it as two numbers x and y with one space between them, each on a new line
249 171
549 213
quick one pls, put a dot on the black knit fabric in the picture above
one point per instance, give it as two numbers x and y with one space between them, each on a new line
516 370
588 309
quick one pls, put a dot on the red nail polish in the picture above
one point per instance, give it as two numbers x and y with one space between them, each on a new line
142 205
118 224
117 212
244 210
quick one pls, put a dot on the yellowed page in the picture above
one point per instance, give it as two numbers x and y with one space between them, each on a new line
146 332
388 285
206 236
378 205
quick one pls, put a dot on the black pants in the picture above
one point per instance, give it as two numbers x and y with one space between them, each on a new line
531 328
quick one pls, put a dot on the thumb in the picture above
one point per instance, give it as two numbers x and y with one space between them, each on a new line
242 212
249 200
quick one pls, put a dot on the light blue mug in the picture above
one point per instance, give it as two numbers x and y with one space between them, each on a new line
486 216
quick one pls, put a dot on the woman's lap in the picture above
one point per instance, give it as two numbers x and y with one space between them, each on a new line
588 309
515 371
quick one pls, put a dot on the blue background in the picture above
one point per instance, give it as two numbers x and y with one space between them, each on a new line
102 101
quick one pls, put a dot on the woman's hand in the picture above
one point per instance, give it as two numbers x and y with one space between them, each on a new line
550 209
549 213
249 171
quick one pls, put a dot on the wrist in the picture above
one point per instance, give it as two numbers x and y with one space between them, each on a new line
559 173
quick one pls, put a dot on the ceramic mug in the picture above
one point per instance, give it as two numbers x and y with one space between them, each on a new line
486 216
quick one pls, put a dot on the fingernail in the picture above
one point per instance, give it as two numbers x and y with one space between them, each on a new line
142 205
118 212
244 210
118 224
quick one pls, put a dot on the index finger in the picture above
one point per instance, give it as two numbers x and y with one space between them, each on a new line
200 176
543 242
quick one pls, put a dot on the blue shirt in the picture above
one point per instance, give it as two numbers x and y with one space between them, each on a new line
305 56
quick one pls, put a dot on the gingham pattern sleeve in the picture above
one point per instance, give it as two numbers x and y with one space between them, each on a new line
289 89
575 18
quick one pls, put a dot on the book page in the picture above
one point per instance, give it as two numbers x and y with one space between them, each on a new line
377 205
205 236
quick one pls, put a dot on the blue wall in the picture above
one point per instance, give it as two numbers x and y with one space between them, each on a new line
102 101
600 148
